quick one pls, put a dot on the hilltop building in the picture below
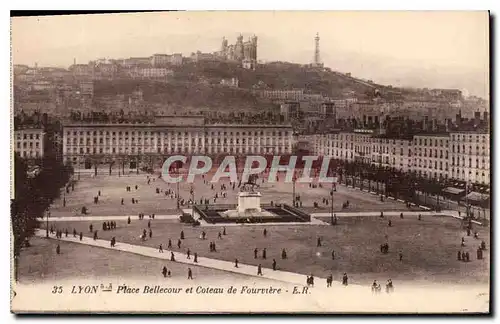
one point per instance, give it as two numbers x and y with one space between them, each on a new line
244 52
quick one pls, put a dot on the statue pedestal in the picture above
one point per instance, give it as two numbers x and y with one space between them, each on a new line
249 201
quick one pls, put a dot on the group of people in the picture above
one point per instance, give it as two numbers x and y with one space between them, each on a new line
58 233
129 188
141 216
376 288
106 226
464 256
144 235
212 247
167 273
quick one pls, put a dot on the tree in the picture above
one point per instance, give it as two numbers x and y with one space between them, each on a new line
23 221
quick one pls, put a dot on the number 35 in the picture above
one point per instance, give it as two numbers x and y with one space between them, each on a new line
57 290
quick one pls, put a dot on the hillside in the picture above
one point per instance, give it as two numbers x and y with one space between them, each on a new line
183 94
197 85
279 75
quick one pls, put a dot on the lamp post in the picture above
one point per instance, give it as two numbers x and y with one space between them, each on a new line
467 206
47 215
177 186
331 207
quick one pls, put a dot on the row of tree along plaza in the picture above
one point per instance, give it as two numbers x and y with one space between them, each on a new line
436 194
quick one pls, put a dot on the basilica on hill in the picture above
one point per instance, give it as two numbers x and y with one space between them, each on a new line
241 51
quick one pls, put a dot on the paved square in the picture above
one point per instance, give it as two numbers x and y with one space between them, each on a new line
429 247
113 190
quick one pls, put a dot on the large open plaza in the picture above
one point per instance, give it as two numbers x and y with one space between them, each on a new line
41 263
113 190
420 251
429 246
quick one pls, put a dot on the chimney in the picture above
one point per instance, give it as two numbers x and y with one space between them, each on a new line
485 117
477 117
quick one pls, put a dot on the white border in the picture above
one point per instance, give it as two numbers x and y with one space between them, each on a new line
6 317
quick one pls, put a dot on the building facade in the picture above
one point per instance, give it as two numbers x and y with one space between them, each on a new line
432 155
83 143
151 72
463 156
470 156
240 51
29 143
294 95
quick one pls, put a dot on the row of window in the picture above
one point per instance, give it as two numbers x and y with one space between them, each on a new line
146 133
463 137
171 150
26 144
385 150
470 149
430 165
423 142
30 154
28 136
483 165
193 141
463 172
416 141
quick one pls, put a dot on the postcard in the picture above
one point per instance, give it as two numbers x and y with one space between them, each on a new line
251 162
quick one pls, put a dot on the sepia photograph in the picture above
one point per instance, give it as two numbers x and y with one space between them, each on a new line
249 162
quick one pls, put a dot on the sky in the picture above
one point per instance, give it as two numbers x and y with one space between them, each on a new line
446 49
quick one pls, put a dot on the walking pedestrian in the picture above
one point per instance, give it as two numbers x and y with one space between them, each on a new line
259 270
345 279
283 254
190 274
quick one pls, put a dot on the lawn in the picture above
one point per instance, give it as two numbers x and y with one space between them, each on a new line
40 263
113 190
429 247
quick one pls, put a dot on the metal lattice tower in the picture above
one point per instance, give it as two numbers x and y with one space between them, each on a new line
317 60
